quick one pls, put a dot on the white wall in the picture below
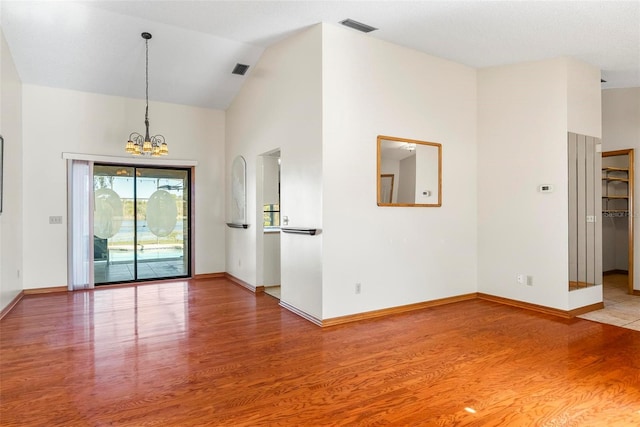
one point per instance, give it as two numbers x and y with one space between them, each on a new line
524 114
271 245
270 180
400 255
584 98
280 106
11 218
57 120
621 130
584 116
522 142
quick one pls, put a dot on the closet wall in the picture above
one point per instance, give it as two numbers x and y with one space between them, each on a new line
615 223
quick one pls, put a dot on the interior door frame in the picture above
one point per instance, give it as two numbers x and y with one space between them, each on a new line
260 229
630 251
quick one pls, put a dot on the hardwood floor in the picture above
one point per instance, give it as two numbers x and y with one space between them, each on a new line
211 353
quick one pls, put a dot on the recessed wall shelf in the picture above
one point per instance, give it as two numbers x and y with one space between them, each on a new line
297 230
234 225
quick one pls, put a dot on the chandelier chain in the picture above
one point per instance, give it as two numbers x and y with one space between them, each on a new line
145 144
146 113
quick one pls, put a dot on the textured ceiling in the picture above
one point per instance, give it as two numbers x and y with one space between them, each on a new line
95 46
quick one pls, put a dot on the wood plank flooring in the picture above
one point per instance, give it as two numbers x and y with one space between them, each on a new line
211 353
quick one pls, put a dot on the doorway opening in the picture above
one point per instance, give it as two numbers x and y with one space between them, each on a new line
141 223
270 179
617 222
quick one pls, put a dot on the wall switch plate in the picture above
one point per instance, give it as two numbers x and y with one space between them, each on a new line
529 280
55 220
520 279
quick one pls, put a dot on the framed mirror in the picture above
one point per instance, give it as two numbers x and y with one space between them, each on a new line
409 172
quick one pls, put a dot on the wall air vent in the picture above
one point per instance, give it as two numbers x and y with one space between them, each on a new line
357 25
240 69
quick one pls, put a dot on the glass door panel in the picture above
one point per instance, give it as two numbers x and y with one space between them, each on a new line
113 224
163 212
141 223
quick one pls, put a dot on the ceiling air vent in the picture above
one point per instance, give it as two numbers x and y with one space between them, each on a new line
357 25
240 69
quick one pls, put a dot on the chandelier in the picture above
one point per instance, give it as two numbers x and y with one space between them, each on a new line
138 144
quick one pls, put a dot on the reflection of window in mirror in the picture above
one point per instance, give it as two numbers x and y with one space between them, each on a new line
409 172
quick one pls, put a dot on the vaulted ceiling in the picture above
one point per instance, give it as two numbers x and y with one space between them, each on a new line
95 46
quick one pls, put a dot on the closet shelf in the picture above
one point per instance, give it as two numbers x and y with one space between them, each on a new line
615 214
615 205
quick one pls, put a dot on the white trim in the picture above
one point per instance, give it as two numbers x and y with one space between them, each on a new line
300 313
129 160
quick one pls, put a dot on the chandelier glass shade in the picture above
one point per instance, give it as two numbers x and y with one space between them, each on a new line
146 145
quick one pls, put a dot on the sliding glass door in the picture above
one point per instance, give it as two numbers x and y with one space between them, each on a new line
141 223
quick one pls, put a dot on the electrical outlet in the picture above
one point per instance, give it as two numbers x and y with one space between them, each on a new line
520 279
358 288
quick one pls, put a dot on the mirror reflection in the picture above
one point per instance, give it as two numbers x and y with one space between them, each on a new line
409 172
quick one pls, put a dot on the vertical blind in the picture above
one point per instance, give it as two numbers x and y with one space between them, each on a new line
80 231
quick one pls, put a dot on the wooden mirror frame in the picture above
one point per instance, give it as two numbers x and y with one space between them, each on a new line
380 173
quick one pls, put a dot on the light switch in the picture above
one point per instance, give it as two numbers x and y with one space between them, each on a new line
55 220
